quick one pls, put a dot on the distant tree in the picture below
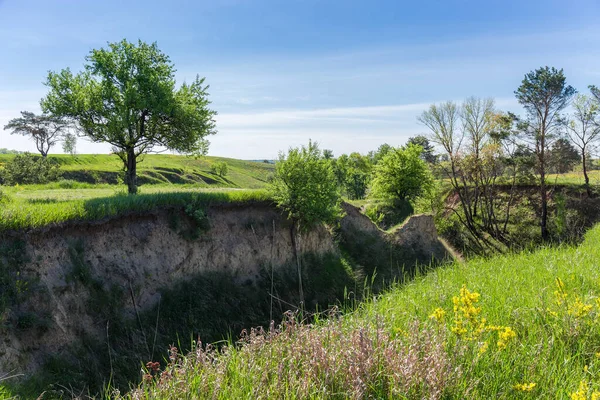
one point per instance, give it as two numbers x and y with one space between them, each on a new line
583 129
428 151
327 154
220 168
26 169
69 143
305 187
44 130
358 176
401 174
9 151
563 156
544 94
382 150
126 96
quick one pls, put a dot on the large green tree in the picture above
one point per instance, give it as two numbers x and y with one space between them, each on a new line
127 96
543 94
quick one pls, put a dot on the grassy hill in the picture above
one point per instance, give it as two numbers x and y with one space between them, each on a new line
513 326
162 169
88 189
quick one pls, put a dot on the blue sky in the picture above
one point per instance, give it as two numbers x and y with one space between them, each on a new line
348 74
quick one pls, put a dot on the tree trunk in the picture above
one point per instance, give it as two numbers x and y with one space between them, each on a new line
294 234
131 173
585 175
544 195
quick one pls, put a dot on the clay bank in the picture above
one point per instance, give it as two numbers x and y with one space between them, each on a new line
102 298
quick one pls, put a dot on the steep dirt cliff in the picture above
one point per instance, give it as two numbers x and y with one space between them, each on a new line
75 282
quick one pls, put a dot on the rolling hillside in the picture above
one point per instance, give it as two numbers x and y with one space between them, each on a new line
162 169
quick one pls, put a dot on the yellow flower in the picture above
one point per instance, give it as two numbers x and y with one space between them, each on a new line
595 395
552 313
505 336
438 314
581 393
561 294
483 348
579 309
525 387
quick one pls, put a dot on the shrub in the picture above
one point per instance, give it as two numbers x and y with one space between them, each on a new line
305 186
401 174
26 169
220 168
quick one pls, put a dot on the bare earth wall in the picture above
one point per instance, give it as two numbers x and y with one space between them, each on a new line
143 254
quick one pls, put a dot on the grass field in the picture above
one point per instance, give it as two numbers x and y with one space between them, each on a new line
162 169
31 208
575 178
86 193
510 327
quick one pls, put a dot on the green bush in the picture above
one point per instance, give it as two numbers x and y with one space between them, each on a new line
26 169
220 168
401 174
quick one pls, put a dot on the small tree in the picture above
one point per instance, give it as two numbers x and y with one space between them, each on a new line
328 154
220 168
401 174
544 94
44 130
305 187
69 143
583 129
126 96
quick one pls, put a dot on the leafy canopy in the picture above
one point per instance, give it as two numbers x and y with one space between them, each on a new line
126 96
401 174
305 186
25 169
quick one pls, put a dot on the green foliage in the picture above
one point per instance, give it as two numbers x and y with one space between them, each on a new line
26 169
428 151
563 156
69 143
387 214
126 96
220 168
305 186
401 174
353 174
382 150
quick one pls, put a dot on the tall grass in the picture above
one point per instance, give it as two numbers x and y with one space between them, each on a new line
514 326
29 213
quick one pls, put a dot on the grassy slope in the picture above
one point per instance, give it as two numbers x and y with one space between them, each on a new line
164 168
35 213
174 180
378 350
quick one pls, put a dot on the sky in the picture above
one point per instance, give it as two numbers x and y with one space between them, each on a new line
350 75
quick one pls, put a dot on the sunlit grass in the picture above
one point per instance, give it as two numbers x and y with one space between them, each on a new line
24 209
532 331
